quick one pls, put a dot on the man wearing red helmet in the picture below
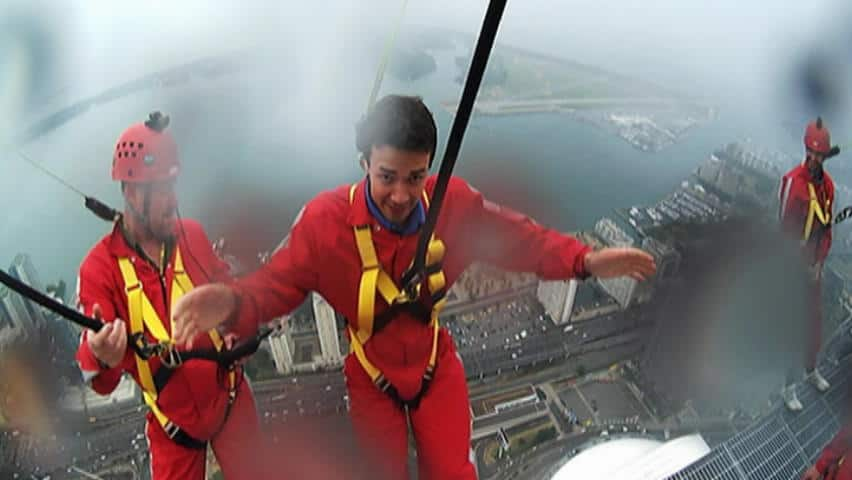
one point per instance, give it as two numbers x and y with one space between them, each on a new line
806 198
131 279
352 245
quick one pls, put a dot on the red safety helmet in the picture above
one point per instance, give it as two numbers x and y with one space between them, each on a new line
817 137
145 152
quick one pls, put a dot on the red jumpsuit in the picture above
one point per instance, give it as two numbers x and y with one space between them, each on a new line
321 255
832 462
196 396
794 206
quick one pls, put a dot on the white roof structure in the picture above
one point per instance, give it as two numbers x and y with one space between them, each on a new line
635 459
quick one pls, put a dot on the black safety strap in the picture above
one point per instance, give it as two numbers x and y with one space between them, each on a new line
177 435
414 275
414 402
136 342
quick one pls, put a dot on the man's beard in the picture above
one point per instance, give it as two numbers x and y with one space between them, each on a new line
166 235
816 170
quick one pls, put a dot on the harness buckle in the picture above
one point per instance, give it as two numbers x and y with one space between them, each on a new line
169 355
171 430
382 383
145 349
408 294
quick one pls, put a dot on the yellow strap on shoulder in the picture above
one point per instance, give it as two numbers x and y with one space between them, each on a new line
136 306
369 278
366 303
815 210
364 240
143 315
435 254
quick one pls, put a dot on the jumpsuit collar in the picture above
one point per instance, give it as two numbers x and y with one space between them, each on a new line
411 225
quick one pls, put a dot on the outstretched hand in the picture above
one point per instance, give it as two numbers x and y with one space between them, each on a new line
201 310
620 262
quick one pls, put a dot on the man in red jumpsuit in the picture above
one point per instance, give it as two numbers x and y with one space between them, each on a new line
806 198
130 280
352 245
832 463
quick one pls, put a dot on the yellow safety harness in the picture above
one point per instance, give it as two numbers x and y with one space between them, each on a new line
374 279
144 316
815 210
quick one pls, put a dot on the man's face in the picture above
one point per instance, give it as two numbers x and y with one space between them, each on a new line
162 206
397 178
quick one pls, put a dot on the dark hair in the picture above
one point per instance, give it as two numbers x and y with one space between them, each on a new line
402 122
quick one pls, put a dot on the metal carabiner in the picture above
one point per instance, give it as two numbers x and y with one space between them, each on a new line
170 356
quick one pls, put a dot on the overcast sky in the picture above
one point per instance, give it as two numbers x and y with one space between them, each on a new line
725 45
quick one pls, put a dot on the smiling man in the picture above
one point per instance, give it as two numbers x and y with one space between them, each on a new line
353 244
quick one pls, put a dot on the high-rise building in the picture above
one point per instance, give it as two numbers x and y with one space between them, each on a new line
294 349
710 169
281 348
24 321
728 181
21 316
8 314
12 326
557 297
612 234
327 331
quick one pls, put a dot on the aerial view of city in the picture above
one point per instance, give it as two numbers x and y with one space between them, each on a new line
690 372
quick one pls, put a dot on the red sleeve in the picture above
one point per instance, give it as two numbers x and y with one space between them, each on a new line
93 287
282 284
782 196
838 447
507 239
792 209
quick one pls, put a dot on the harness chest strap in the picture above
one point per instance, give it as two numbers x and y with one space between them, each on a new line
815 210
144 316
374 279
